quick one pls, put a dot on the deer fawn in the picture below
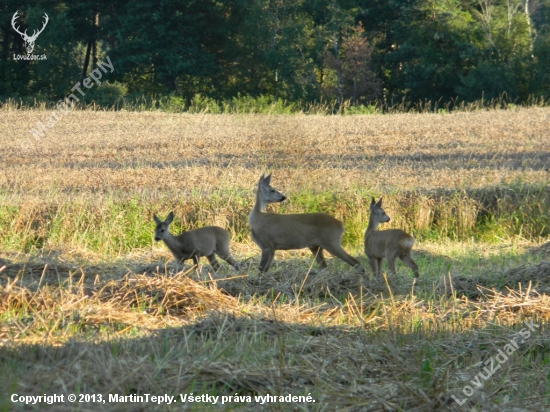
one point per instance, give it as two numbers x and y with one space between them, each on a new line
390 244
316 231
207 241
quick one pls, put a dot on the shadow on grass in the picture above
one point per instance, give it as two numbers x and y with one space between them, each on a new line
352 343
340 367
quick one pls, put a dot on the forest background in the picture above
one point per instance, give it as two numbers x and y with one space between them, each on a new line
294 54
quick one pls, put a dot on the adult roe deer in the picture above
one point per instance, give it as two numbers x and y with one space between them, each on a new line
316 231
207 241
390 244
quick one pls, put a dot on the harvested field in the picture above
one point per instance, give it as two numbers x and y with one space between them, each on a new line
161 153
90 304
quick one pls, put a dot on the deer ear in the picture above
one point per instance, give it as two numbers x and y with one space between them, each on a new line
169 218
373 201
267 179
157 220
379 204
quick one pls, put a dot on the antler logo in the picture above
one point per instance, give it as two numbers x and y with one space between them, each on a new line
29 40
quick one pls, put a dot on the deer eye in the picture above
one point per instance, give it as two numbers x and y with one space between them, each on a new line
161 230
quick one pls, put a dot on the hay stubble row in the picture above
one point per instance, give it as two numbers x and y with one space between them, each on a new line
178 153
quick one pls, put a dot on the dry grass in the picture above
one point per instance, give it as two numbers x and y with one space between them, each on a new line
168 153
152 333
89 305
526 274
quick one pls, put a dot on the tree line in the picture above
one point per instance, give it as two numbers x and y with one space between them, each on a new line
362 51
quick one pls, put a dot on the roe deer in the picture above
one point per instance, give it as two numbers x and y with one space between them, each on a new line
316 231
390 244
207 241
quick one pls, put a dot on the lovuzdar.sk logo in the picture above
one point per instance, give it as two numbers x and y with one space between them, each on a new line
29 40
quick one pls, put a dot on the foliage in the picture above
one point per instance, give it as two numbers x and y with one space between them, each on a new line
107 94
361 109
282 53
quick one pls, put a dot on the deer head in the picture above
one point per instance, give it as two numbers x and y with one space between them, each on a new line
29 40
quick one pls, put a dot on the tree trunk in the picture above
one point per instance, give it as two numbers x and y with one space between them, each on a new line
355 90
5 44
87 59
94 40
528 17
338 73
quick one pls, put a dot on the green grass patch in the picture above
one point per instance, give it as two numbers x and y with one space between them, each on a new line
113 225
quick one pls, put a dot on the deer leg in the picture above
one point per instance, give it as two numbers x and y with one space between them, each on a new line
391 262
375 265
267 259
318 255
225 255
213 262
338 251
232 262
195 261
411 263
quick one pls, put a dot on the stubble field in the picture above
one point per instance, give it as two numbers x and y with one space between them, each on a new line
90 304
